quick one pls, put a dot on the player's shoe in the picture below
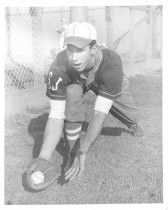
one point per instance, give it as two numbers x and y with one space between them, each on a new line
137 131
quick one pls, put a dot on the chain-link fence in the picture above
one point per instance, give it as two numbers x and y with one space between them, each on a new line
35 35
33 39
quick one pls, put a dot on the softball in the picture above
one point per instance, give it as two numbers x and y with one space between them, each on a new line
37 177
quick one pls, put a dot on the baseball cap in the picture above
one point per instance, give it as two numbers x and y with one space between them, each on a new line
80 34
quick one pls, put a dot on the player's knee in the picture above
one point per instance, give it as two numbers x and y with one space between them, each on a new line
75 107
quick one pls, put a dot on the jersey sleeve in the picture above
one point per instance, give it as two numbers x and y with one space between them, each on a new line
56 83
111 77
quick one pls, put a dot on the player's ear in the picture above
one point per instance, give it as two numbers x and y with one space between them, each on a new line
93 49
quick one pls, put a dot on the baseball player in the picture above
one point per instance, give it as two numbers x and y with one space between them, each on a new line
82 66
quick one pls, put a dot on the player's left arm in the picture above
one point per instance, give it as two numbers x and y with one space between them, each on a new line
93 131
101 109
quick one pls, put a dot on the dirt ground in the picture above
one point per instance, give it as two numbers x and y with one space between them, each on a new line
119 167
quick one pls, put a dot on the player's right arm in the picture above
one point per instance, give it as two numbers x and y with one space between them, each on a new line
56 91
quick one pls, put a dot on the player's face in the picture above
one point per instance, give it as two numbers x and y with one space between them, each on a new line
79 58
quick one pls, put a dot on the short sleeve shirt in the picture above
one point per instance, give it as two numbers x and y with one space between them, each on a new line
58 77
109 76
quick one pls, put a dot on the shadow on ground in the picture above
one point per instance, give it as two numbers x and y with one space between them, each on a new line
36 129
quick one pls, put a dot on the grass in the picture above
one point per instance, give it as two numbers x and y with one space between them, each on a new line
119 168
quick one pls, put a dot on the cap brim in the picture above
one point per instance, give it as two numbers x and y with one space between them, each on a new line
77 41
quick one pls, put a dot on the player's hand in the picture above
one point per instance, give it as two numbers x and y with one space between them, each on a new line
77 167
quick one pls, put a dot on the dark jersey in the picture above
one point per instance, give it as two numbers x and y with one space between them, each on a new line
107 79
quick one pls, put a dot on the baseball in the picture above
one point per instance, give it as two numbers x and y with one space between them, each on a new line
37 177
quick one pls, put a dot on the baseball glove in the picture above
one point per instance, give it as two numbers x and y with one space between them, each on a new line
48 169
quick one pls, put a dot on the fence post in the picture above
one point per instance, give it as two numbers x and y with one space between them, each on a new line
154 35
132 37
149 33
78 13
8 34
109 12
37 41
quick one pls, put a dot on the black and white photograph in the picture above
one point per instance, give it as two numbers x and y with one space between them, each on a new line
83 104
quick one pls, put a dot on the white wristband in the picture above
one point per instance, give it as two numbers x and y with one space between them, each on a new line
103 104
57 109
